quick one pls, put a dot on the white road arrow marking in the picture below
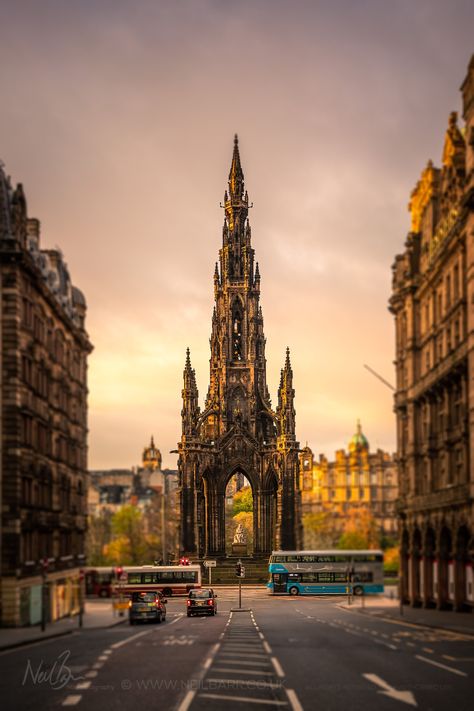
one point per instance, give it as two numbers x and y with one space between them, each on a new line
406 697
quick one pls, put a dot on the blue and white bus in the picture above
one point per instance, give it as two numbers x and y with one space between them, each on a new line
328 572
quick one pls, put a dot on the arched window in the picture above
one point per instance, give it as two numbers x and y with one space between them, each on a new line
237 343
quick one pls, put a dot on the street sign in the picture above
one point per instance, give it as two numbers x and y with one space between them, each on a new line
210 563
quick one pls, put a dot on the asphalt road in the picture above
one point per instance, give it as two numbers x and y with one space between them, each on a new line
282 653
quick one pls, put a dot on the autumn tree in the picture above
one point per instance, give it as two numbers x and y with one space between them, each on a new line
360 530
130 544
243 501
99 532
321 530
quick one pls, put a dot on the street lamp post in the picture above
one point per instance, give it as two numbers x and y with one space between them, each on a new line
81 597
163 519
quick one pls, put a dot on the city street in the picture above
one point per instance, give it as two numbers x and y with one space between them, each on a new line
296 653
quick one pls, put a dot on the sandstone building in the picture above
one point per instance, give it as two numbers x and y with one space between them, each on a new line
433 305
110 489
238 432
43 459
355 479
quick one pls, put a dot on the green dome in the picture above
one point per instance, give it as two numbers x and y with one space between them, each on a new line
359 440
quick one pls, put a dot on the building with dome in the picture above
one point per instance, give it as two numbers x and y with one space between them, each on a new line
356 478
110 489
151 459
43 402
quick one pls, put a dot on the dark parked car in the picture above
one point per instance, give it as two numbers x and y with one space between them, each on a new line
201 602
147 606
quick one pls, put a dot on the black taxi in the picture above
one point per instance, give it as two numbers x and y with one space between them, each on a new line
146 606
201 602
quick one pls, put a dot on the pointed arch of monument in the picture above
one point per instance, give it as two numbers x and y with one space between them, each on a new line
239 466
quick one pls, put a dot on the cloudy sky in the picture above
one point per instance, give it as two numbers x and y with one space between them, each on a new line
118 117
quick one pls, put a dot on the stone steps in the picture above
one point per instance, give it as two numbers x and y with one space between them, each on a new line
224 573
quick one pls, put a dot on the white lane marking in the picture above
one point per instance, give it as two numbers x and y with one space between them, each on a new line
410 644
186 702
173 621
207 663
277 667
382 634
385 644
130 639
244 699
98 665
240 645
441 666
267 648
103 658
263 663
249 683
405 697
83 685
71 700
243 654
231 670
108 651
428 650
261 635
294 700
91 674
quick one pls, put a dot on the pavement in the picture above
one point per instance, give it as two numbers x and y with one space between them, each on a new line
285 653
389 608
97 614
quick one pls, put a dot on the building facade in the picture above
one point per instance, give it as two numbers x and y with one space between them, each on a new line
356 479
43 459
238 432
110 489
433 306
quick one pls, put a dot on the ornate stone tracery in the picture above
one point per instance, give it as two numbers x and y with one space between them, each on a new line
238 431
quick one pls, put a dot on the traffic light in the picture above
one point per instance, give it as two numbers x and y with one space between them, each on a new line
238 569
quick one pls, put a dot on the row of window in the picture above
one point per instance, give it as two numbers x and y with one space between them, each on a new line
442 345
35 545
39 492
39 378
335 558
161 577
54 341
38 436
359 577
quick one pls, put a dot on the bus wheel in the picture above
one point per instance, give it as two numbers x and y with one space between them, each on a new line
358 590
293 591
167 592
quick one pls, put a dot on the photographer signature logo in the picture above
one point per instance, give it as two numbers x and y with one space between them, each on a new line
58 676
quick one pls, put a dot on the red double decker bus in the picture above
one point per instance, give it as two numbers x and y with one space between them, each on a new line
100 580
168 579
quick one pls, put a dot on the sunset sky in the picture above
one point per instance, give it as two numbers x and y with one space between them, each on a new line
118 117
